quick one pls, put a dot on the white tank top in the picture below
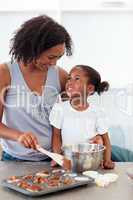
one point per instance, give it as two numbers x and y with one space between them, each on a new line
28 112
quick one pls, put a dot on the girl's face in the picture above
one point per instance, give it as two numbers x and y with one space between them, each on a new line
77 84
50 57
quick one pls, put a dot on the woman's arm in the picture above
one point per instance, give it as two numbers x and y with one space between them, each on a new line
63 75
107 153
56 140
5 132
26 139
63 79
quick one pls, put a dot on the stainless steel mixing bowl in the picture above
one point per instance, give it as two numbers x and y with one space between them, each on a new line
84 156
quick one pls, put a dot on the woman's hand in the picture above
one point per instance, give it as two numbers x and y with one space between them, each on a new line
28 140
53 163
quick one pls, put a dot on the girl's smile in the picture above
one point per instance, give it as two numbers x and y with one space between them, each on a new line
77 83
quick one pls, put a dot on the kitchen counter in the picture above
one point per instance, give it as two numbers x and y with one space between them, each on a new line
121 190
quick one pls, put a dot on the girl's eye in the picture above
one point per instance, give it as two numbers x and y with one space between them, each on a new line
77 78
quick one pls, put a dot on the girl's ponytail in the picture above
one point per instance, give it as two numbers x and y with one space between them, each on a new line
95 79
102 87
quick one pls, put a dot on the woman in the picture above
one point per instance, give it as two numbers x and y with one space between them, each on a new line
29 87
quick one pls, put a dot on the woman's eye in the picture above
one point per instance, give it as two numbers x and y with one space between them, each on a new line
50 58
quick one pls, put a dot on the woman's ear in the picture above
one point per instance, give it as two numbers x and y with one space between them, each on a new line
91 89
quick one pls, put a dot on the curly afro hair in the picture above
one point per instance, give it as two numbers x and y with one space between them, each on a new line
37 35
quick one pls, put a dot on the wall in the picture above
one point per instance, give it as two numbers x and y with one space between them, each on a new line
118 107
102 39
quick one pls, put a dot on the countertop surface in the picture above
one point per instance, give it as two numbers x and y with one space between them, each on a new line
121 190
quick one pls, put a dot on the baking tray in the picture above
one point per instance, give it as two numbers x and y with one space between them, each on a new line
48 190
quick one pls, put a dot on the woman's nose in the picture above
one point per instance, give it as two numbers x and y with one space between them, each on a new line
53 62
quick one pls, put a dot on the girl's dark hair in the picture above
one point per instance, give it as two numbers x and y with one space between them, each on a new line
37 35
95 79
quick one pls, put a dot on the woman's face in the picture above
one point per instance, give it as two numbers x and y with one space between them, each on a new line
50 57
77 84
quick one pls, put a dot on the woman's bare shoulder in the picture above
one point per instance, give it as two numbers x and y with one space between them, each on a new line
4 75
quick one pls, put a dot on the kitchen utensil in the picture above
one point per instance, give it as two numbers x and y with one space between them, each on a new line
55 156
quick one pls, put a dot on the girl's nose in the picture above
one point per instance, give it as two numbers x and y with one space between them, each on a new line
69 83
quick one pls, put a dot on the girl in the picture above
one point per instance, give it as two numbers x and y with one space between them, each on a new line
75 121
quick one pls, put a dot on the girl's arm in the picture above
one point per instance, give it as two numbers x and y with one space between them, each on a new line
56 140
107 163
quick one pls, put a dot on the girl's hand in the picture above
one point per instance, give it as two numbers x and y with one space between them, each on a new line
28 140
96 140
108 164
